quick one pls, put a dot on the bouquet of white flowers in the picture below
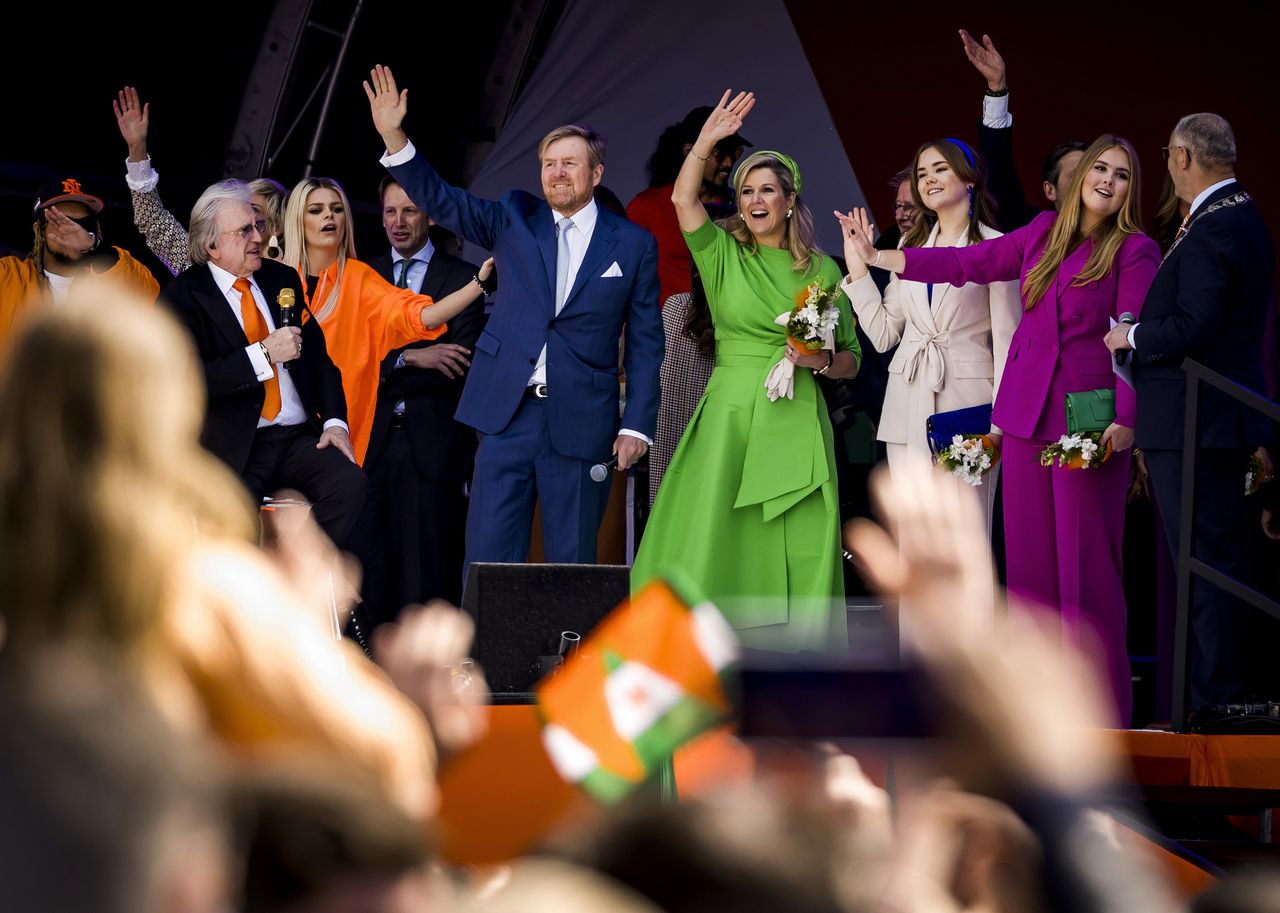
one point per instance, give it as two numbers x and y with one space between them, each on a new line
811 327
814 318
969 459
1077 451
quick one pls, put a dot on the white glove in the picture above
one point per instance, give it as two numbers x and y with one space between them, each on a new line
781 378
781 381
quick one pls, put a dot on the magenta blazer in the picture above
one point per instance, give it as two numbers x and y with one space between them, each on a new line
1058 347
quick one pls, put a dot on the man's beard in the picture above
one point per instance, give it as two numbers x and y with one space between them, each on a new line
60 258
719 192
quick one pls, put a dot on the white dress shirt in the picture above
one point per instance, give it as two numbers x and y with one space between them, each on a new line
584 225
417 271
995 111
291 408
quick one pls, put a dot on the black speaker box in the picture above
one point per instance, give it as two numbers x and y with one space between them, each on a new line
521 609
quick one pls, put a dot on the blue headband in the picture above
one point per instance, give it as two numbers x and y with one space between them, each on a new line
964 147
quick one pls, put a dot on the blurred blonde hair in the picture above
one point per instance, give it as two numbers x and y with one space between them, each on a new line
102 478
274 195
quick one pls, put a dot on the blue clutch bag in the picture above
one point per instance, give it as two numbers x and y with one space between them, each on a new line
971 421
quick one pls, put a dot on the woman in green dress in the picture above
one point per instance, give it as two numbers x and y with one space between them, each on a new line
748 511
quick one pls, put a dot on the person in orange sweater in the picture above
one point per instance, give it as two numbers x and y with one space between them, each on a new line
67 244
363 315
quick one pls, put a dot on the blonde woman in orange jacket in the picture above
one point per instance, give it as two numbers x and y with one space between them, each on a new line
363 316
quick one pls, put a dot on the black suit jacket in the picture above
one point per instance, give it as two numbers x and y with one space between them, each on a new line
1012 209
442 448
1209 302
235 395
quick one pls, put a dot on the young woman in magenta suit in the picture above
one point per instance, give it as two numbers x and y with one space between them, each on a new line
952 340
1076 268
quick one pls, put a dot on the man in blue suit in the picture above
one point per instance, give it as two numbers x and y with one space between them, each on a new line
543 389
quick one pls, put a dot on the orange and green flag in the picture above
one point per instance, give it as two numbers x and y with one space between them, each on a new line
650 677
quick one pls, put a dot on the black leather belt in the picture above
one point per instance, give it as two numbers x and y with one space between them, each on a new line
537 391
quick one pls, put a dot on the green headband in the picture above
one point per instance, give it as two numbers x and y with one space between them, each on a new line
787 162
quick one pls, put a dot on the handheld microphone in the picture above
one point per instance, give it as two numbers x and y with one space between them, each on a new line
1122 356
285 300
600 471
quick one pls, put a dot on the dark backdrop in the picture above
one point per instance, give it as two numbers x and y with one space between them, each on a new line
62 71
892 77
895 76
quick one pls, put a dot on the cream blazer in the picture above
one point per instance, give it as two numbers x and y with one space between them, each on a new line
950 355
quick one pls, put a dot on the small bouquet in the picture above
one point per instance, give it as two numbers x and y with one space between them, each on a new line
810 326
1077 451
969 459
814 318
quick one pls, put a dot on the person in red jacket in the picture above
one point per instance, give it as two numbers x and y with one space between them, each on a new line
653 210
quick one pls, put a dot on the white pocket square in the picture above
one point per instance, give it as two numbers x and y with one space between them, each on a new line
613 272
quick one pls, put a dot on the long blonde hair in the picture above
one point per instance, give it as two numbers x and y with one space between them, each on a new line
1107 235
102 478
295 249
799 232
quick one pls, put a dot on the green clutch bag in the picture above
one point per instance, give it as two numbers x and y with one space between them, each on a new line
1093 410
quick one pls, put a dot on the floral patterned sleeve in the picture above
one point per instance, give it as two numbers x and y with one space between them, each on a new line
164 234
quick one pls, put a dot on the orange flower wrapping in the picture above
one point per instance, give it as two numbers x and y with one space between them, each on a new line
989 442
804 346
1077 461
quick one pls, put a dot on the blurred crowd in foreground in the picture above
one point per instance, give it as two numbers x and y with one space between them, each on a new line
181 731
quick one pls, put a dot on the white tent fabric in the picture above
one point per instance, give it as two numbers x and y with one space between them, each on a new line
632 68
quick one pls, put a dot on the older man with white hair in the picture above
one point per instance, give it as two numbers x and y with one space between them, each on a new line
1208 302
276 414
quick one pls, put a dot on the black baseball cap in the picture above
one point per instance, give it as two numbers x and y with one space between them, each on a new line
67 190
693 122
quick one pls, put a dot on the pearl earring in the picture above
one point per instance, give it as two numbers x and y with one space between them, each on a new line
788 213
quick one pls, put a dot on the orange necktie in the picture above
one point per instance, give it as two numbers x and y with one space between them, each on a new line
255 330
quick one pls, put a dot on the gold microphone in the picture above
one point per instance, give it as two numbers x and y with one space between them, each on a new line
285 300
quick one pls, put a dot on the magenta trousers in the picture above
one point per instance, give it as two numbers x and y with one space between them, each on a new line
1063 535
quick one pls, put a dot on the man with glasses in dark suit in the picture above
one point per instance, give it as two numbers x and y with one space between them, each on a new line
1209 301
276 411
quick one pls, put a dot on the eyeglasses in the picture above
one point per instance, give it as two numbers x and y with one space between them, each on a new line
905 208
88 223
1167 151
246 231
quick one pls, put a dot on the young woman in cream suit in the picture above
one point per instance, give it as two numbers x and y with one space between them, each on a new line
952 342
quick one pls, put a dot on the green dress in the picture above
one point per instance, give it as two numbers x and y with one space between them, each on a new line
748 511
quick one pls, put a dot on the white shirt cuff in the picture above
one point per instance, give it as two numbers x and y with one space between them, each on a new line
390 159
261 365
995 112
337 423
1133 345
629 433
140 176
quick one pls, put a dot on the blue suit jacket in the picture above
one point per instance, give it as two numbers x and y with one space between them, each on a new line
581 341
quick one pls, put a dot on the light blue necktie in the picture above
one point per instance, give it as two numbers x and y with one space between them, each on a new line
562 262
